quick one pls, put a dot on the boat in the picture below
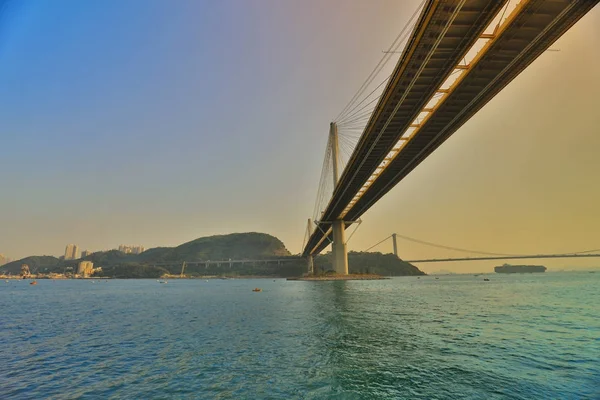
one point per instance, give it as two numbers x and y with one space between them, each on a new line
162 281
257 290
33 283
486 279
514 269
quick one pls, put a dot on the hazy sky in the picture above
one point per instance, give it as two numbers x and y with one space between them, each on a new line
155 122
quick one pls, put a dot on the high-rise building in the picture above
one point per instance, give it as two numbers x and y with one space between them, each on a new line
85 268
3 259
71 252
131 249
85 253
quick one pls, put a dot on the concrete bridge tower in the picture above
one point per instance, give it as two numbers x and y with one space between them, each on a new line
339 250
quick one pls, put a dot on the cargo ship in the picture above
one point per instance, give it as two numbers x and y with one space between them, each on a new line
515 269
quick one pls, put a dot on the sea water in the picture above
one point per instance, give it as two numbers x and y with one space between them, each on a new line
520 336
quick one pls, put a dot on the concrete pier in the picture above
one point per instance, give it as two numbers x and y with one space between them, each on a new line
339 250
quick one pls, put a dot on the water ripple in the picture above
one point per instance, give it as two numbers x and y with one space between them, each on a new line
522 337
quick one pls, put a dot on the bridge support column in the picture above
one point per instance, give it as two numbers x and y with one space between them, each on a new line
311 265
395 244
339 251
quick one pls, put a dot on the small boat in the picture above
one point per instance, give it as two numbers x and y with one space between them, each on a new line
257 290
33 283
486 279
162 281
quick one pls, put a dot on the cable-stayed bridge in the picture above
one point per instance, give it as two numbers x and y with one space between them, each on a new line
458 55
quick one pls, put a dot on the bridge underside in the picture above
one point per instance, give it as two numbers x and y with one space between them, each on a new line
441 36
535 26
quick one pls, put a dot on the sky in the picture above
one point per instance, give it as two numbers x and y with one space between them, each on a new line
155 122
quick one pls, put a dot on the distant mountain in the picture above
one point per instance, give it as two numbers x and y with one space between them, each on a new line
234 246
35 263
237 246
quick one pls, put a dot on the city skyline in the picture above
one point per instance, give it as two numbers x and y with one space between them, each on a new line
186 167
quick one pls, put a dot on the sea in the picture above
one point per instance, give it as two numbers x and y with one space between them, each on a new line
518 336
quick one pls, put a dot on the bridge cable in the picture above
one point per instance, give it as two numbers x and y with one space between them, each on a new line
378 243
468 250
483 92
321 191
441 246
384 60
583 252
350 112
430 53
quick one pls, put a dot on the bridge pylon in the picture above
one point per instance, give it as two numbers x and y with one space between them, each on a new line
311 265
339 251
338 248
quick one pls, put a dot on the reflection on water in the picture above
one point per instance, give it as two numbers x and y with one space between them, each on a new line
521 336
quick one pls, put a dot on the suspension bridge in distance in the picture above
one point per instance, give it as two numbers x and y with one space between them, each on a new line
458 56
539 256
488 256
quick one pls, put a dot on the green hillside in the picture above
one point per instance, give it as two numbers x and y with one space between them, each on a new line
236 246
35 263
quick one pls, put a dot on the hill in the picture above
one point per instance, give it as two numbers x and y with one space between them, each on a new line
158 261
36 264
236 246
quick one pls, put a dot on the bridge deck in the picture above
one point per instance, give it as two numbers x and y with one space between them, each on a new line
538 24
443 33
